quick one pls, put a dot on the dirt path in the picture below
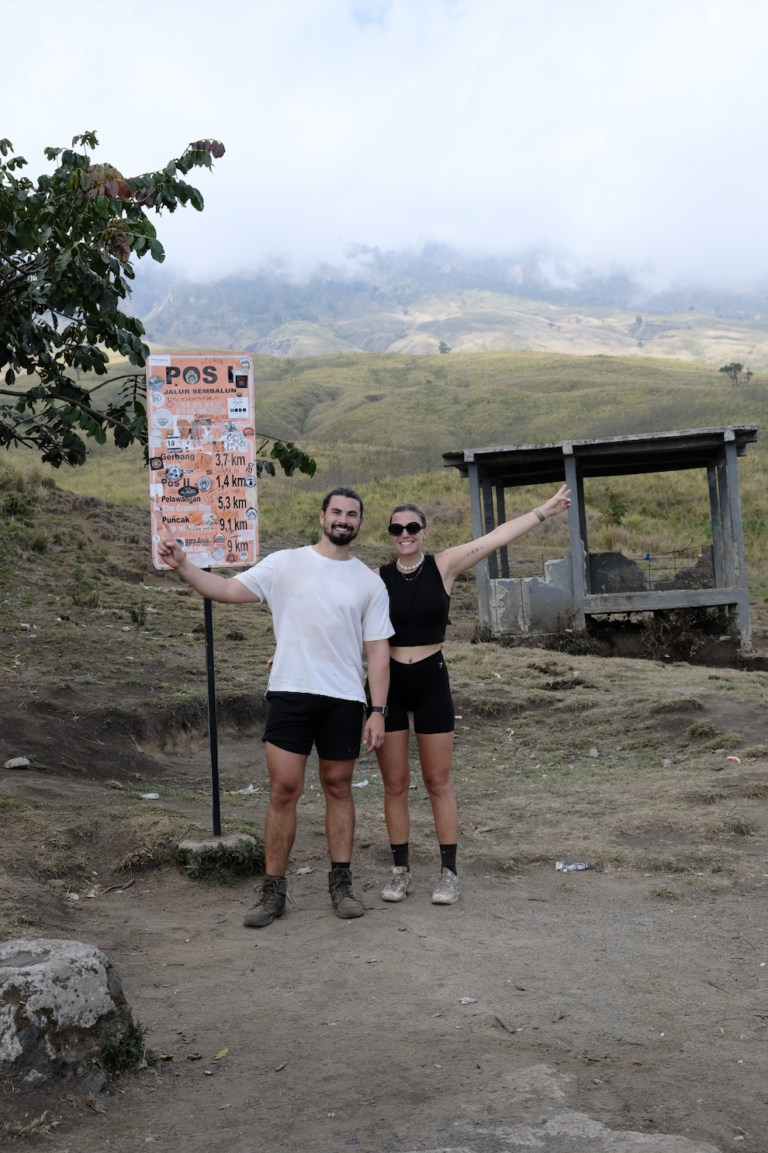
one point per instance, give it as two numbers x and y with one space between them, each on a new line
627 1013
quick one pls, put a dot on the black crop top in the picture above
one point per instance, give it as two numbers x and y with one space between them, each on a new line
418 606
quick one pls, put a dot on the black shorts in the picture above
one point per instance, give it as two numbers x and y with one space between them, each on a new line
424 690
296 721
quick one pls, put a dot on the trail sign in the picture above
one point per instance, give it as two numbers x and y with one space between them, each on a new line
202 463
202 457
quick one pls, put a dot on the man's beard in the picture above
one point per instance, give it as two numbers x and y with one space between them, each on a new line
338 538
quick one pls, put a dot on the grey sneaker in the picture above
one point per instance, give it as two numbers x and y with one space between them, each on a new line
447 889
345 903
397 885
271 903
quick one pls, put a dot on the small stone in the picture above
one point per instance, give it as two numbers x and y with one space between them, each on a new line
17 763
94 1081
666 764
215 849
233 841
593 753
57 884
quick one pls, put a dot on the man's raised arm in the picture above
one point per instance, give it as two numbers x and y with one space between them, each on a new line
209 585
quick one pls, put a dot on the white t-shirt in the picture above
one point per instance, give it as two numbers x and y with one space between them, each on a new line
322 610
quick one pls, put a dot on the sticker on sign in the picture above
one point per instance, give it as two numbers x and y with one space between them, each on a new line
237 406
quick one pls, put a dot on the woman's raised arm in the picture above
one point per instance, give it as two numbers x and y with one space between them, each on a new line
454 561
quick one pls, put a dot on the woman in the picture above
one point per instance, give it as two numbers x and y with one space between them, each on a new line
419 589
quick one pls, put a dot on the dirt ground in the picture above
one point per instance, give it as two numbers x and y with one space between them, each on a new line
614 1009
636 1014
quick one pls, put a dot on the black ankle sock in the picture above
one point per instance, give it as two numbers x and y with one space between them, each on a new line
448 858
400 856
341 864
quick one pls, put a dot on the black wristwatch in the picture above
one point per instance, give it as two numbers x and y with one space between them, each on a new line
383 709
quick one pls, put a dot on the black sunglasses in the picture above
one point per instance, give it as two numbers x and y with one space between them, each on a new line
411 528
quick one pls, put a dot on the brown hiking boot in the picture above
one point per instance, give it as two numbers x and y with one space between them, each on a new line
271 903
345 903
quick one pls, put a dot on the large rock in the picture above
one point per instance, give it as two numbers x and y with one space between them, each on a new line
57 1000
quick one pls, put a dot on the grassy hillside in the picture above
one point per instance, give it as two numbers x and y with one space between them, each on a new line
380 423
410 405
403 412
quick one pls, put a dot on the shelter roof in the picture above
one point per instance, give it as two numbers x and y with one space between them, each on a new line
519 464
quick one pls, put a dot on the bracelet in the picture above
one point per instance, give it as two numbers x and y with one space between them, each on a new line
537 512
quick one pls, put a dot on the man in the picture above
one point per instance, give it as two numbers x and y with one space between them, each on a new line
326 607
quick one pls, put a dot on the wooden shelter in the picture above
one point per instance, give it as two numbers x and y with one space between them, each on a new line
584 584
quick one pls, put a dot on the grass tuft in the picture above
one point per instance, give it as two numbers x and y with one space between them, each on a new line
29 1130
702 729
118 1056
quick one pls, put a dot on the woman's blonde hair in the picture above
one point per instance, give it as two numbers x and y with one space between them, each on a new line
409 507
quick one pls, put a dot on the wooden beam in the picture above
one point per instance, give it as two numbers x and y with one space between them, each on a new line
501 516
732 468
668 599
481 573
717 531
583 528
493 563
578 565
727 522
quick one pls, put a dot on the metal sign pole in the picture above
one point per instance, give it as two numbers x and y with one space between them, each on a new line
213 736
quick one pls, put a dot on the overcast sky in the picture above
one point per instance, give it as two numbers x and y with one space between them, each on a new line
620 132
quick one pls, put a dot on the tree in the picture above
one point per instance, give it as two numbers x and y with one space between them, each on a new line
443 347
66 248
734 370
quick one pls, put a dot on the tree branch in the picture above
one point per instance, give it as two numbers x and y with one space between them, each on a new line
84 408
96 387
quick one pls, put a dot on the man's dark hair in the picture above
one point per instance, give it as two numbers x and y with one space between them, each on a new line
348 492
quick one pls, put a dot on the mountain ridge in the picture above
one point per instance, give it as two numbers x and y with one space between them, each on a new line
475 321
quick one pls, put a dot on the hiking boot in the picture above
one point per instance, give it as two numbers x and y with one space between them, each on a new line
345 903
271 903
398 884
447 889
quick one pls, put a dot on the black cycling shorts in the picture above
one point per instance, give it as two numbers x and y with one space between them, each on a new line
296 721
423 689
